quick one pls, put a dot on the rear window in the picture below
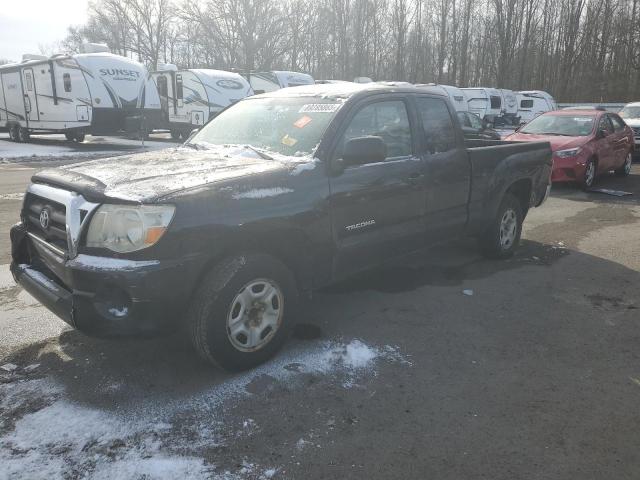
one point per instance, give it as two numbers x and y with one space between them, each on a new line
526 103
437 124
496 102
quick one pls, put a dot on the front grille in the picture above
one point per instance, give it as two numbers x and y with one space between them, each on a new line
636 131
55 232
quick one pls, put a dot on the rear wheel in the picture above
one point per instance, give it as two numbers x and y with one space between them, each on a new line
69 136
240 315
175 134
502 237
23 135
625 169
589 174
79 137
13 133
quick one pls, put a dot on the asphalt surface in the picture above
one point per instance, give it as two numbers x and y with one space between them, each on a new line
533 373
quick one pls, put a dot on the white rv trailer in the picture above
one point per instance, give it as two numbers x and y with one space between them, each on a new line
532 103
509 108
262 82
96 93
455 94
485 102
190 98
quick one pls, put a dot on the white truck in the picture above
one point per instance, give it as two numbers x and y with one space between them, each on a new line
190 98
96 93
263 82
532 103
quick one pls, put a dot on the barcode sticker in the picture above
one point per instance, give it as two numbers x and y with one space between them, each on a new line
319 108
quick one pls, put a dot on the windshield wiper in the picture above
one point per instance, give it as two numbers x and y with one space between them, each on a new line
260 153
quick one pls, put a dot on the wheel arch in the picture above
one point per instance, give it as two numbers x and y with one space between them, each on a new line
521 189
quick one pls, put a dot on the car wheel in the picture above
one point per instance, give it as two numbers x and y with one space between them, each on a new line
589 174
625 169
69 136
175 134
79 137
240 315
502 237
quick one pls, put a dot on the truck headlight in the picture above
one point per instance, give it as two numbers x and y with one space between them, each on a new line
570 152
127 228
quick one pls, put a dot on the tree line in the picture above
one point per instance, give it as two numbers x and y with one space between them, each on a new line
578 50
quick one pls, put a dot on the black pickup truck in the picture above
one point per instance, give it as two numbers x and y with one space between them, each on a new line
279 195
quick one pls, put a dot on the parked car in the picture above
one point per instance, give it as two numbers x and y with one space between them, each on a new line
631 116
473 127
280 194
585 143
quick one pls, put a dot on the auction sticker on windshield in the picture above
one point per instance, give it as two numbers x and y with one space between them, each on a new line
302 122
319 108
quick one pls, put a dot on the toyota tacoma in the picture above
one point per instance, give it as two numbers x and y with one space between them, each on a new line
279 195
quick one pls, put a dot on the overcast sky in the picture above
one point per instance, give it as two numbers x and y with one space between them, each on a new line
25 24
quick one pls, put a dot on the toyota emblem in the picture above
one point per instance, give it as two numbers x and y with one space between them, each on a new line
44 219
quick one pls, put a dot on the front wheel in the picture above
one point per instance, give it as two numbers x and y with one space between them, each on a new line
23 135
240 315
589 174
625 169
502 237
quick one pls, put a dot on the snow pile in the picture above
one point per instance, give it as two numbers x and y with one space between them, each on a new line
262 193
59 438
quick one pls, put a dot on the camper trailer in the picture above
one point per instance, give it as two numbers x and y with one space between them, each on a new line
190 98
262 82
533 103
97 93
509 108
484 102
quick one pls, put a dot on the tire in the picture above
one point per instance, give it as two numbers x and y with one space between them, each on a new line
590 177
175 134
222 302
79 137
13 133
625 169
70 137
23 135
502 237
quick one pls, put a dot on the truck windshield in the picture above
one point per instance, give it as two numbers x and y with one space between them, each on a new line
289 126
630 112
568 125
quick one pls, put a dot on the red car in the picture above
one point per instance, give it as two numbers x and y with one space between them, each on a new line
585 143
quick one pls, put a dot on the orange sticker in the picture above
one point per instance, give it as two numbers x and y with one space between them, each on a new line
302 122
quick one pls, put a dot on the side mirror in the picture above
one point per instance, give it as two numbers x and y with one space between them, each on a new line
600 134
361 150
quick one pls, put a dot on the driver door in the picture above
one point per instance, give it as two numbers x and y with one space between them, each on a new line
378 209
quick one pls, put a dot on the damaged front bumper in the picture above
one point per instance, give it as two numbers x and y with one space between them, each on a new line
102 296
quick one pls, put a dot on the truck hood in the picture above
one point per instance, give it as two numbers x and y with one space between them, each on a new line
632 122
149 176
558 142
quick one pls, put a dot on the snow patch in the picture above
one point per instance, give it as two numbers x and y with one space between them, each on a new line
11 196
302 167
262 193
90 262
119 312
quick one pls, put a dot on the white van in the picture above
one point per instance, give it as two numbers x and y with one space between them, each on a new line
190 98
484 102
262 82
532 103
96 93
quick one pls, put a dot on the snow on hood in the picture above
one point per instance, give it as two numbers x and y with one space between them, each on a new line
150 175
